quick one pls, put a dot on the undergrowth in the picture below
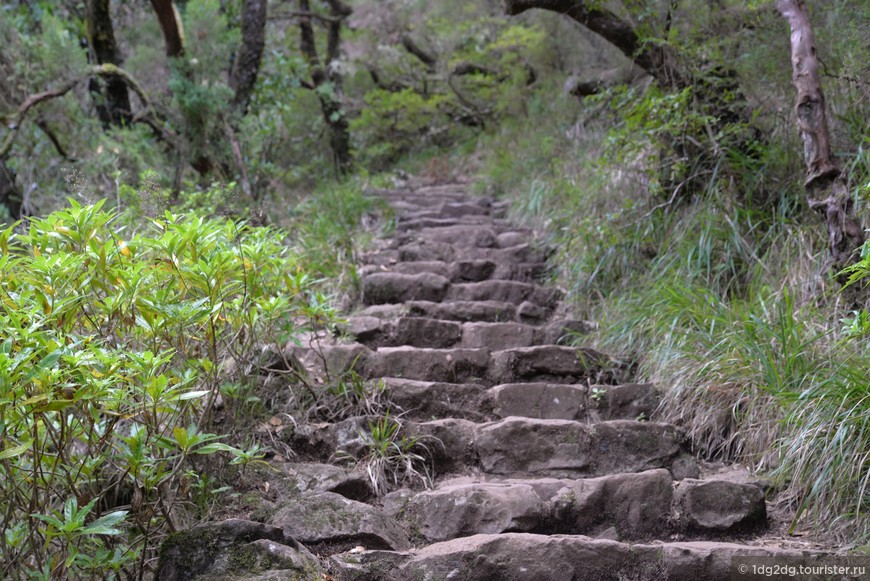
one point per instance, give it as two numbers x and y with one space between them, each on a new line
721 295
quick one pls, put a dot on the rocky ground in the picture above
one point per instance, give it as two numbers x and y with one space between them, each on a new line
543 459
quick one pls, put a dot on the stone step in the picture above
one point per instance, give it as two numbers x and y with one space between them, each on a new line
486 311
546 401
375 331
560 448
549 401
517 447
394 287
326 517
411 230
527 556
544 363
463 270
633 506
448 252
481 207
505 291
433 197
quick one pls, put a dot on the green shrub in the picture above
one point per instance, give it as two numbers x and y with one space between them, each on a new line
113 350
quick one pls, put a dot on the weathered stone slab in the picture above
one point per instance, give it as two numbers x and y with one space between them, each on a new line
562 447
720 506
550 363
326 517
233 547
545 401
497 336
492 311
393 287
444 365
427 399
524 556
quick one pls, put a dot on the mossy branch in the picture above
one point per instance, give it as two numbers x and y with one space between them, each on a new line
15 121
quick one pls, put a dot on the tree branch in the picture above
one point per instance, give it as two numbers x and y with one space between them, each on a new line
656 60
415 49
54 140
14 124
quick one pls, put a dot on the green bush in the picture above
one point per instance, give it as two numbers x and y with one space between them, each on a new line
113 351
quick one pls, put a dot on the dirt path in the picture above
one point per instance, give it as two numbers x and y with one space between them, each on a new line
546 463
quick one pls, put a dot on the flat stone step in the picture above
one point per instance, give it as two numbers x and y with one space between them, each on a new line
374 331
551 363
486 311
628 506
525 556
394 287
556 447
325 517
545 401
482 207
445 365
505 291
463 270
518 446
490 311
432 197
461 236
632 506
412 230
447 252
574 402
429 400
547 363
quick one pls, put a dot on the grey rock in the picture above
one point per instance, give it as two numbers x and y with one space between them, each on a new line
551 363
544 401
326 517
236 548
562 447
443 365
720 506
492 311
497 336
393 287
466 509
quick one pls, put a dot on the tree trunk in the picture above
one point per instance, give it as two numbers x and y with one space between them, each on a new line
326 81
825 182
10 196
170 24
246 67
112 96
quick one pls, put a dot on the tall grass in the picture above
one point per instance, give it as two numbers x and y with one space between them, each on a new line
722 298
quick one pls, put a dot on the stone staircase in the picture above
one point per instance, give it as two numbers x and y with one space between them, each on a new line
547 465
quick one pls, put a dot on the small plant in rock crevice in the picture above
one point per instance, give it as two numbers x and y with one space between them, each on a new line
391 459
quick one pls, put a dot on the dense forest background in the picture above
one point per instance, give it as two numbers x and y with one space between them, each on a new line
190 180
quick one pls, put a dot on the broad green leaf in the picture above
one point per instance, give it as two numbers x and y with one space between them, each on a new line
105 525
15 451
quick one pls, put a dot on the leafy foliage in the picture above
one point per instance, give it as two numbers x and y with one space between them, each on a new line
110 364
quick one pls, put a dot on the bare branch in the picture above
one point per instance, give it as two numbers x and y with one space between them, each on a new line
656 60
14 123
416 50
54 140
